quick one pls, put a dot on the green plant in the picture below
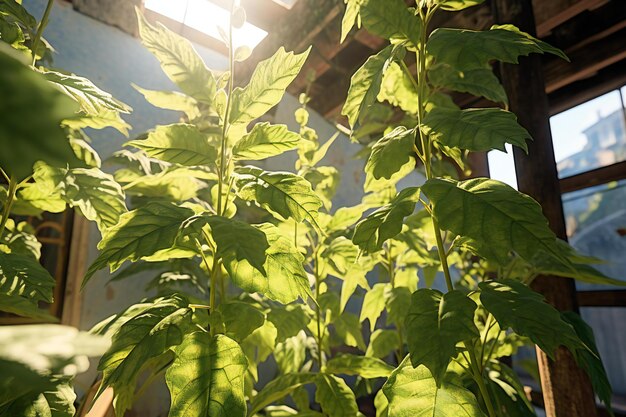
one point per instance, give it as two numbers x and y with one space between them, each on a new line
454 338
46 164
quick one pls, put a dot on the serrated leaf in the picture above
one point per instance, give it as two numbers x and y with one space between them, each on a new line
386 222
179 60
279 388
589 359
382 343
92 100
139 341
398 89
412 392
171 100
475 129
391 153
283 193
178 143
435 323
240 319
102 120
480 82
467 49
265 140
139 233
515 305
58 402
84 151
373 305
30 121
391 19
365 86
288 320
335 396
23 284
267 86
364 366
497 218
207 377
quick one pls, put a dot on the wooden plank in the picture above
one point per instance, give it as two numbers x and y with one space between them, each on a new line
76 269
586 62
550 14
566 388
599 176
261 13
603 298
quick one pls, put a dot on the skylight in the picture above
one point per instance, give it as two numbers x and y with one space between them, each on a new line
206 17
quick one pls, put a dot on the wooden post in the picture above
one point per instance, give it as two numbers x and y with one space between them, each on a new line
566 388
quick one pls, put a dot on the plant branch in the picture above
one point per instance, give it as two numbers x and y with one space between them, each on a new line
6 211
40 28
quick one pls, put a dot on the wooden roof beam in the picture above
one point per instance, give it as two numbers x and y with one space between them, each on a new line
551 13
261 13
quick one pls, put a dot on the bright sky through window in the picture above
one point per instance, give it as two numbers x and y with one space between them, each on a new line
205 16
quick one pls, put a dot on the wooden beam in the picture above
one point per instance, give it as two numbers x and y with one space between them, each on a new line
606 298
263 14
594 177
550 14
566 388
585 62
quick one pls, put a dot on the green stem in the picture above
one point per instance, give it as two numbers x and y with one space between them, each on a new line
13 184
318 313
442 255
40 28
478 377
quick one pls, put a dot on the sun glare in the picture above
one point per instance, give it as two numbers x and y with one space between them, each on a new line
206 17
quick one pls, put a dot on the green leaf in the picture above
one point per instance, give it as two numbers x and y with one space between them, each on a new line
373 305
335 396
279 388
30 119
283 193
435 323
139 341
515 305
399 89
475 129
178 143
104 119
267 86
589 359
365 86
18 12
91 99
455 5
288 320
391 19
84 151
54 403
497 218
207 377
265 140
467 49
381 404
96 194
350 16
23 284
413 392
508 392
398 304
139 233
240 319
179 60
391 153
386 222
364 366
348 329
480 82
382 343
171 100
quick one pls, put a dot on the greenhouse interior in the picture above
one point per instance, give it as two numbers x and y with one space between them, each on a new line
315 208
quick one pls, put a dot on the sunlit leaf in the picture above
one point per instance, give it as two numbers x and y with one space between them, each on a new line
373 305
335 396
391 19
480 82
279 388
171 100
288 320
391 153
265 140
364 366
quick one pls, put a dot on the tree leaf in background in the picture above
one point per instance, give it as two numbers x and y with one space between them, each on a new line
265 140
475 129
288 320
178 143
31 112
435 323
386 222
207 377
267 86
515 305
335 396
382 343
413 392
179 60
139 233
373 305
364 366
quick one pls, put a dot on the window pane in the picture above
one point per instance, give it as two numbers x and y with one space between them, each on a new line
589 136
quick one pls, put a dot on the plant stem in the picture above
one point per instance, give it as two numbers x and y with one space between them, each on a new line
231 69
13 184
318 313
478 377
442 255
40 28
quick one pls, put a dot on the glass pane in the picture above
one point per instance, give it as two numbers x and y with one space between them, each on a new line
589 136
502 166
